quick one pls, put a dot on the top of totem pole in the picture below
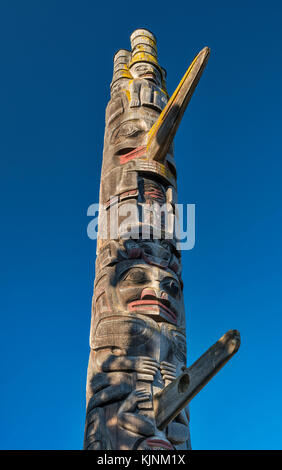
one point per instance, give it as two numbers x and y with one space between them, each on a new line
141 61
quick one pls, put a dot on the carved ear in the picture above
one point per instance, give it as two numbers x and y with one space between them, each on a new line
163 131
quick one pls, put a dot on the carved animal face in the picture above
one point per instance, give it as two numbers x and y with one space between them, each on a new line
131 113
128 126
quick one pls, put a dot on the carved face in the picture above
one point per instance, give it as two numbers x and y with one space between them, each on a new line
129 133
133 110
134 287
146 70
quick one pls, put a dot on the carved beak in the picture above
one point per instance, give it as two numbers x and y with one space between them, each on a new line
163 131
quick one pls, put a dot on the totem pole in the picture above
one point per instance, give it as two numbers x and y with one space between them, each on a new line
138 385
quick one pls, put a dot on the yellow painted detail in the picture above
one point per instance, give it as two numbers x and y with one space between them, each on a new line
146 40
154 129
127 92
125 74
144 57
128 95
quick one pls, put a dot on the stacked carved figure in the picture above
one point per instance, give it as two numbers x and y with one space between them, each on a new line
137 358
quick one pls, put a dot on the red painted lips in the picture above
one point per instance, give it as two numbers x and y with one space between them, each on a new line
159 444
152 306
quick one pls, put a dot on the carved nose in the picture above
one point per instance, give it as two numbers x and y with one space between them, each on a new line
148 293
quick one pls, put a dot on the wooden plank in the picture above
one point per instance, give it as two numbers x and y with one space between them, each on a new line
173 398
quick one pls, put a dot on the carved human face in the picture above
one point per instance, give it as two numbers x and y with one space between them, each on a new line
134 287
147 71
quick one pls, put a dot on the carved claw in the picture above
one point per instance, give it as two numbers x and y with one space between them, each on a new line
142 395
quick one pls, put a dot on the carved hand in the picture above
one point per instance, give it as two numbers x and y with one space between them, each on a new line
130 419
135 397
168 372
146 365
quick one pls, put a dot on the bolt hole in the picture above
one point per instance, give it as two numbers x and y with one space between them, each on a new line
183 383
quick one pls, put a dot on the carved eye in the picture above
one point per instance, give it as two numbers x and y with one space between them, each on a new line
136 276
172 287
128 130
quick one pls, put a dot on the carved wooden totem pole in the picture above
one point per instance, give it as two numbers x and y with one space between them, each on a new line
138 386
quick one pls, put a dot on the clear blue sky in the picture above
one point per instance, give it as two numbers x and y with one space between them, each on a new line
56 67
